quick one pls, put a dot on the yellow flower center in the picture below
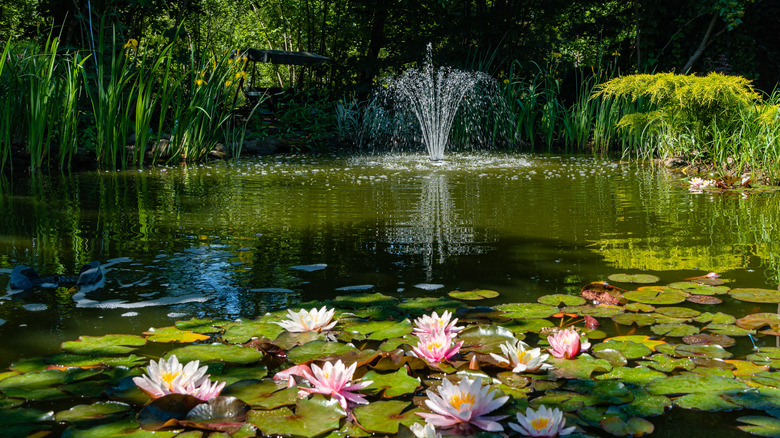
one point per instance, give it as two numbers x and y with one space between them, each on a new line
521 356
460 398
168 378
433 345
540 423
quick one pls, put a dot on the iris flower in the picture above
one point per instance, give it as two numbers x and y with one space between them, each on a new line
547 423
565 344
436 324
436 347
170 377
309 320
334 380
463 406
521 359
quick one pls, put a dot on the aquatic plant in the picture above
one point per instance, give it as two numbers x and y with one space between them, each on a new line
426 431
436 347
566 344
335 380
522 359
465 405
171 377
544 422
313 320
431 324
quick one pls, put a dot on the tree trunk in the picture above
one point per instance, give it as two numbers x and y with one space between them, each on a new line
703 45
375 43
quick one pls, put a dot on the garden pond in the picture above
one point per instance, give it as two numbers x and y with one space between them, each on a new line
198 254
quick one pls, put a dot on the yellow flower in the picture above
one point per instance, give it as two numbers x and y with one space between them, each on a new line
557 55
228 83
241 75
132 44
230 61
615 53
506 81
200 82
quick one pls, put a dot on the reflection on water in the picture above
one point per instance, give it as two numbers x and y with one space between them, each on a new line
219 240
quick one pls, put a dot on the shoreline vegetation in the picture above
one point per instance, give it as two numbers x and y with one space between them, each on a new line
131 104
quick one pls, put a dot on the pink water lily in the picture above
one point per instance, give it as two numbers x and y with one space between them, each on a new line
171 377
464 405
290 373
544 423
430 324
566 344
334 380
435 347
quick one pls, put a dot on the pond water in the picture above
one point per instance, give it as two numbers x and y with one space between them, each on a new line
239 239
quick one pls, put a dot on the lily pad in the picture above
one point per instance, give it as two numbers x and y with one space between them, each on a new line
219 413
639 319
602 311
710 401
637 376
392 384
647 341
473 295
601 292
203 326
485 338
527 310
166 411
693 384
728 330
318 350
216 353
634 427
172 334
421 305
761 426
646 404
703 299
639 307
664 363
715 318
312 417
385 416
701 351
241 332
126 428
380 330
561 299
656 296
634 278
707 339
678 312
580 368
674 330
82 414
759 320
101 345
755 295
265 394
357 301
630 350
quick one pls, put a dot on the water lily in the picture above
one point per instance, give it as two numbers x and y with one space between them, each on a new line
545 422
521 358
170 377
697 183
334 380
313 320
463 406
436 347
290 373
427 431
430 324
565 344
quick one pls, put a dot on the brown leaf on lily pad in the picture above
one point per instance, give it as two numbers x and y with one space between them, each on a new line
704 299
602 292
758 320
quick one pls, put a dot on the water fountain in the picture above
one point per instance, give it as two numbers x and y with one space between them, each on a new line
435 95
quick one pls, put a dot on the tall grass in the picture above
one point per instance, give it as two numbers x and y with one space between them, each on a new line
39 98
7 115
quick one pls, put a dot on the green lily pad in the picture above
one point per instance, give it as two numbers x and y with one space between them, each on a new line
755 295
745 369
172 334
166 411
656 296
241 332
216 353
705 402
634 278
728 330
634 427
766 356
666 364
312 417
630 350
761 426
202 326
699 289
221 413
126 428
380 330
24 415
639 319
707 339
265 394
392 384
647 341
527 310
100 345
421 305
639 307
233 375
646 404
693 384
77 360
674 330
758 320
580 368
318 350
701 351
614 357
561 299
564 400
485 338
358 301
678 312
767 378
473 295
637 376
602 311
521 327
610 392
385 416
715 318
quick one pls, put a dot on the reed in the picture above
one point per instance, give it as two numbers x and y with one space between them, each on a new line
68 91
37 69
7 115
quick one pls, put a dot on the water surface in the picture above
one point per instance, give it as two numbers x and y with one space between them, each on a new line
234 240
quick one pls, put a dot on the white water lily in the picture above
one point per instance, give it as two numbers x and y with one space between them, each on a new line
170 377
544 423
314 320
427 431
432 324
522 359
697 183
464 405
